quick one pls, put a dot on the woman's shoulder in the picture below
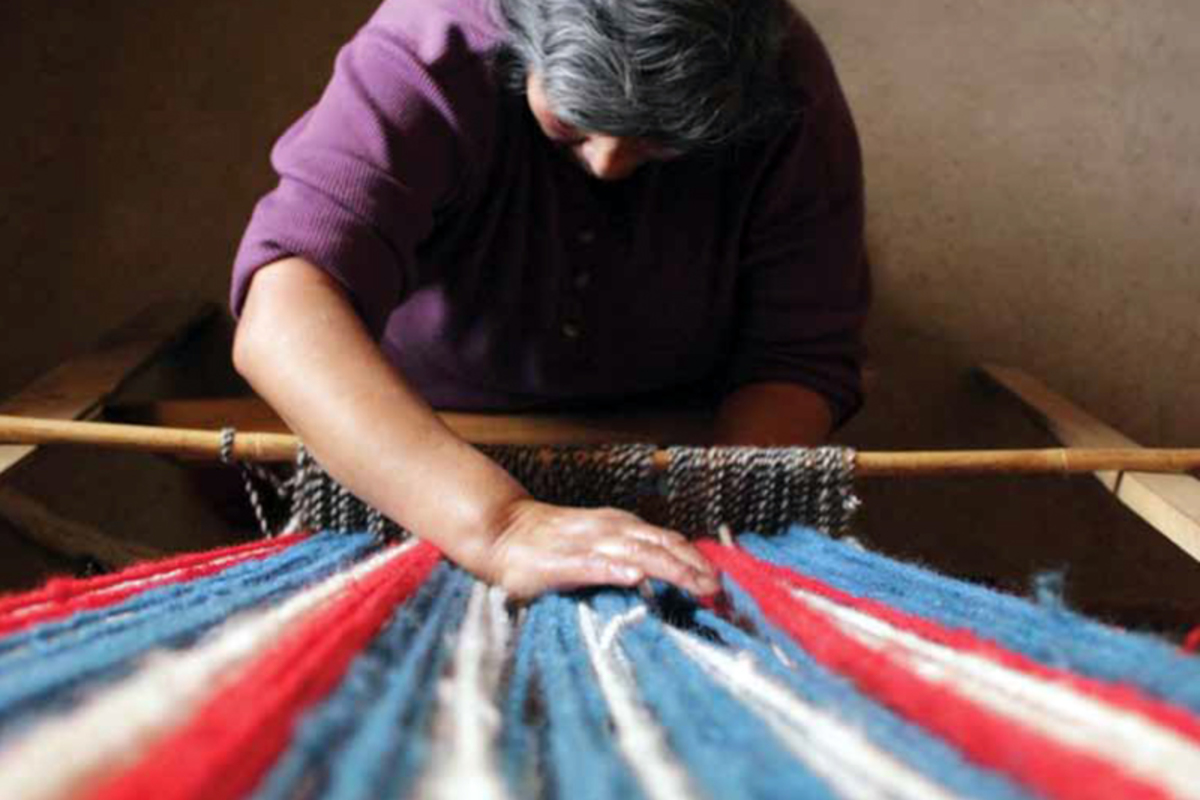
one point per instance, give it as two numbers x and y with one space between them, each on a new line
426 70
805 63
438 31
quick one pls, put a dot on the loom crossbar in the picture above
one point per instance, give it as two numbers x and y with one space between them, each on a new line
277 447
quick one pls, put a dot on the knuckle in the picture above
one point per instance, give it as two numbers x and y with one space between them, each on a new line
615 516
599 567
676 538
617 547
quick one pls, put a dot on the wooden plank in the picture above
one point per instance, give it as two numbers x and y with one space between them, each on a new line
42 526
78 388
252 414
1170 503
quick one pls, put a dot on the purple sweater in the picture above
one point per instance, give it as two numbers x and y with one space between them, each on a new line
497 274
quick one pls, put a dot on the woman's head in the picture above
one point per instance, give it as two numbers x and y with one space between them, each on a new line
624 81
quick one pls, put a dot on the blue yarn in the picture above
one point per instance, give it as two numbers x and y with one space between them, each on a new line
582 759
383 755
518 758
53 663
323 731
725 747
834 693
49 638
68 631
1052 635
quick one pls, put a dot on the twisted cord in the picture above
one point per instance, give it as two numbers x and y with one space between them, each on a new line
249 473
746 488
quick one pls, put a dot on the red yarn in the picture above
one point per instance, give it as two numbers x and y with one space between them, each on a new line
1191 642
989 739
1122 696
230 743
61 597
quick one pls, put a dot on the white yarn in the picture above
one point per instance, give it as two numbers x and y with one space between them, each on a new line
618 623
463 763
117 723
853 766
639 738
1141 746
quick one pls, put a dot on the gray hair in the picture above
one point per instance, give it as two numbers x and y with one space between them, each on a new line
690 74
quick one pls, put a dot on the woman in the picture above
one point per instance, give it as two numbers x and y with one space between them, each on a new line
514 204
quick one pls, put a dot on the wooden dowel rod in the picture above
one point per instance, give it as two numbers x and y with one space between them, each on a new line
278 447
261 447
1060 461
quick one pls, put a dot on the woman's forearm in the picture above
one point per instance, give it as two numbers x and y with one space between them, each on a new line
302 347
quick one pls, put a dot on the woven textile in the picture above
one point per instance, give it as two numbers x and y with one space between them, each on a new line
334 665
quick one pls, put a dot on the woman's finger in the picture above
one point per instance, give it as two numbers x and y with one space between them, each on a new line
675 542
577 571
656 562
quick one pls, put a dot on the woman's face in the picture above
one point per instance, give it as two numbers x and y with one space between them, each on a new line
609 158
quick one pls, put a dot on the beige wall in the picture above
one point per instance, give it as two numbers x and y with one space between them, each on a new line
1035 188
1033 169
136 138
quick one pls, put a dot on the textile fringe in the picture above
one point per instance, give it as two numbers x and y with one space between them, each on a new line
702 488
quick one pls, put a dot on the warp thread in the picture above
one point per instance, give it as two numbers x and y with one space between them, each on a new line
705 723
119 720
783 659
463 762
84 598
61 597
641 740
1061 639
324 729
332 667
1039 760
40 667
233 739
578 755
374 760
842 756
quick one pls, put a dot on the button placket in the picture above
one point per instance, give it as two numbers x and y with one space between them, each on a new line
572 327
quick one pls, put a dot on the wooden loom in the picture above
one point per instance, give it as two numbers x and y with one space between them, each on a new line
88 388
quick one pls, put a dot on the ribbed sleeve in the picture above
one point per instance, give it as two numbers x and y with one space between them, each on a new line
363 173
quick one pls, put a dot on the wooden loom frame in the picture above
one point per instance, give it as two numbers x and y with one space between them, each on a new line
88 388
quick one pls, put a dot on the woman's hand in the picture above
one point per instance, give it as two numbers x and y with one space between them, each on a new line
304 349
543 548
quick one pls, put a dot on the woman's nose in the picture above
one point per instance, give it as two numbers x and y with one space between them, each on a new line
610 158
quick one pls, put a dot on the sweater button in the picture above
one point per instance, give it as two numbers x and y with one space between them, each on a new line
571 330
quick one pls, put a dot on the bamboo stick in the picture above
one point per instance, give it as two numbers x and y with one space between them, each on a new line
277 447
